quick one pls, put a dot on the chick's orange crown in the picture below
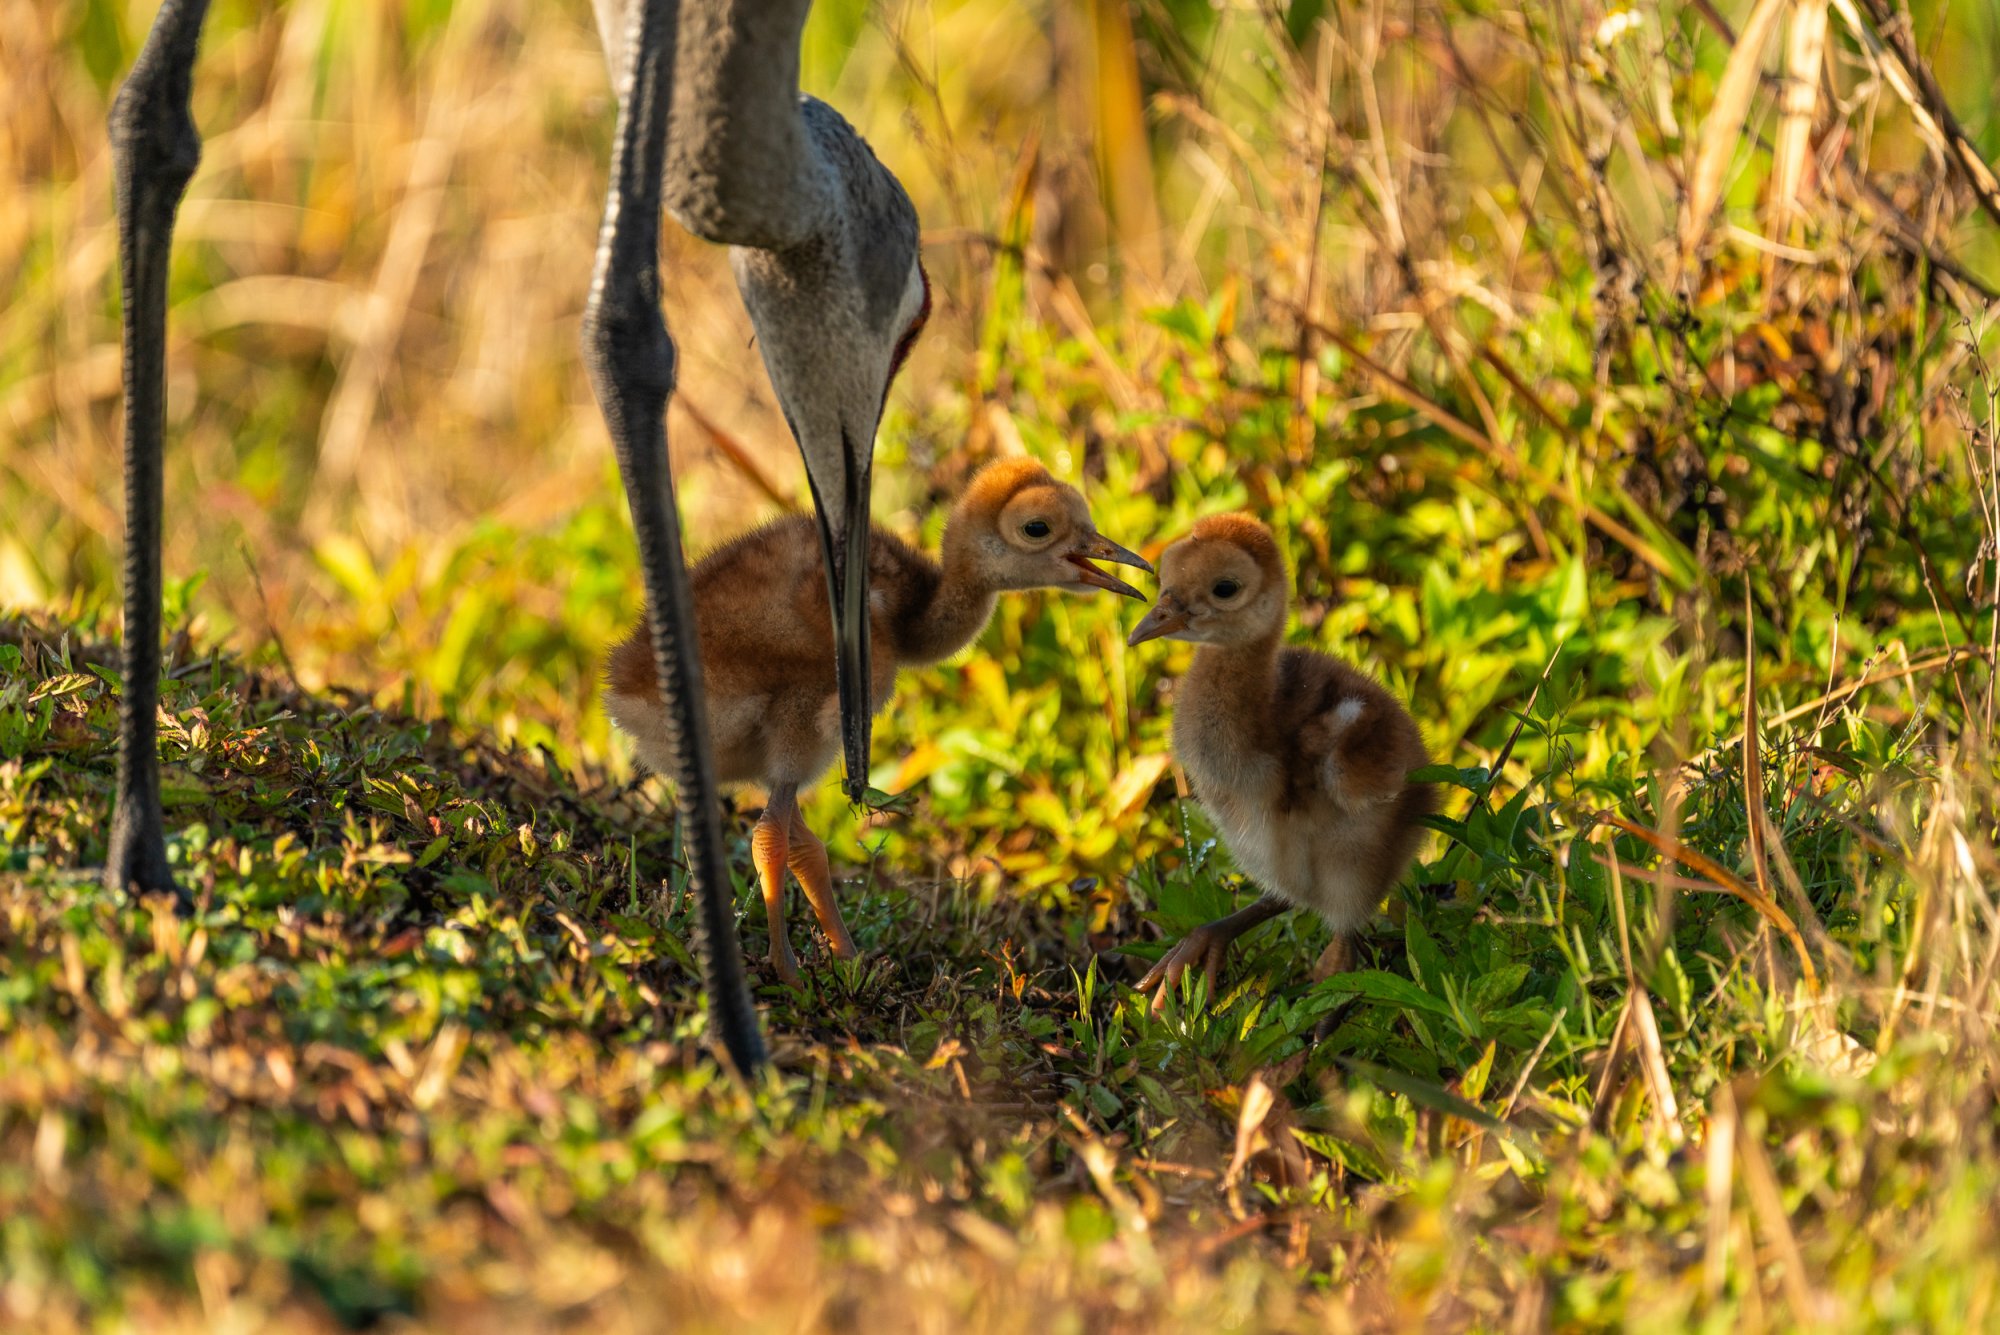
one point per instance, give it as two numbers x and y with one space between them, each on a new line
1241 530
995 484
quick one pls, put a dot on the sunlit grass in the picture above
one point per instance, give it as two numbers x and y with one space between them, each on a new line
1560 466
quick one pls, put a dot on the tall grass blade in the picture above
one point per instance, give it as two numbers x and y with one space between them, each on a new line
1805 48
1723 126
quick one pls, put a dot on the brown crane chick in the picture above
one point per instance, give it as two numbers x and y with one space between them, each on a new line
1301 760
767 649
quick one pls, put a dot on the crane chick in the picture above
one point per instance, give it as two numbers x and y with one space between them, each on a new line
767 649
1301 760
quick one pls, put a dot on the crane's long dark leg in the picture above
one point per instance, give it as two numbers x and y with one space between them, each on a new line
631 363
155 148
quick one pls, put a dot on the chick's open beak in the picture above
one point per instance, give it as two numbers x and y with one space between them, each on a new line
1097 547
1163 618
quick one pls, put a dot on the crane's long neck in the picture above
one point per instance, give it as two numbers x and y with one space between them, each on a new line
960 604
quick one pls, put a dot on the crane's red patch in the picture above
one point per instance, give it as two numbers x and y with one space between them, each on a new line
909 338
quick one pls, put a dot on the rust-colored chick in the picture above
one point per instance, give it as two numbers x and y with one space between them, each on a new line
767 649
1301 760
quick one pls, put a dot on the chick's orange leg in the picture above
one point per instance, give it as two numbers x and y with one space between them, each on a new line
809 864
1338 957
770 848
1208 946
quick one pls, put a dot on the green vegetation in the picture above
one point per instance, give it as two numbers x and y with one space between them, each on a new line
1638 431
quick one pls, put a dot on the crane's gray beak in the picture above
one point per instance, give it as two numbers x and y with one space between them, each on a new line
844 536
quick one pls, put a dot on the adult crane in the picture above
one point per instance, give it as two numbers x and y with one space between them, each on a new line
824 247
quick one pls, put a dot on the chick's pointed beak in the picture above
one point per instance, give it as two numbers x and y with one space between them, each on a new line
1163 618
1097 547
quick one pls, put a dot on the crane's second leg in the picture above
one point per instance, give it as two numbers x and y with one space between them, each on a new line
631 362
155 148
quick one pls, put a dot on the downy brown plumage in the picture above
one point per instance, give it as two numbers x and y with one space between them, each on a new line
1301 760
767 648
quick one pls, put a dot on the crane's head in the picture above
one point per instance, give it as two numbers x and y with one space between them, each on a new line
836 316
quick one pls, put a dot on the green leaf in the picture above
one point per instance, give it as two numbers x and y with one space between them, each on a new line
1427 964
1471 778
1376 985
1490 989
1425 1094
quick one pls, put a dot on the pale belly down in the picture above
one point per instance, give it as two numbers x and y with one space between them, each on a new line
752 743
757 739
1318 858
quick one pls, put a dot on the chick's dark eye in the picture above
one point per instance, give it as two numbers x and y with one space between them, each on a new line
1036 528
1225 588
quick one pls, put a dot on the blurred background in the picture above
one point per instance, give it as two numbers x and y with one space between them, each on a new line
1551 336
